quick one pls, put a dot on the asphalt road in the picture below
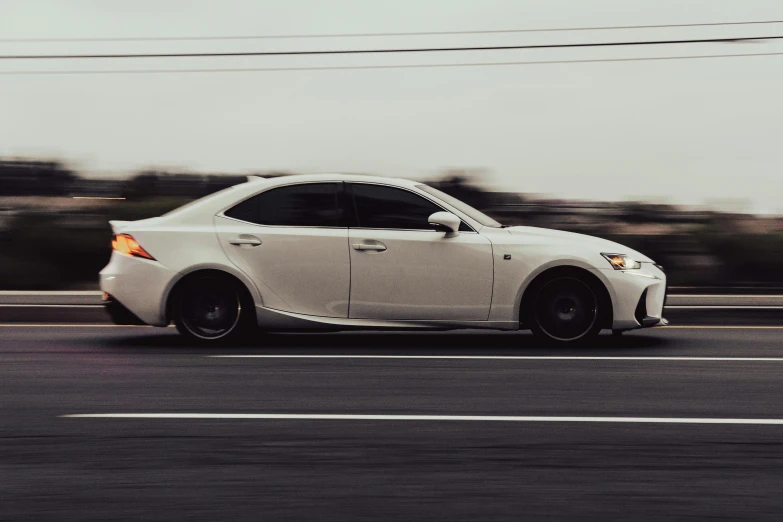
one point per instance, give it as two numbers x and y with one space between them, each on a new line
653 459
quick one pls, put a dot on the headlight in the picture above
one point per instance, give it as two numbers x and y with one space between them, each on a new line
622 262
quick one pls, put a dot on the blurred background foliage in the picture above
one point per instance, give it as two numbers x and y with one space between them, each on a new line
52 238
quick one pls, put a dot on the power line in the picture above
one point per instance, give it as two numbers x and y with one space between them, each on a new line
365 67
382 51
373 35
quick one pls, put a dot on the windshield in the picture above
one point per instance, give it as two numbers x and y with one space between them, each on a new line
466 209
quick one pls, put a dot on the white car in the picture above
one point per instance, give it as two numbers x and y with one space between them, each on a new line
342 251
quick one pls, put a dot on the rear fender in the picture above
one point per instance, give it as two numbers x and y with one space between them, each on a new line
241 276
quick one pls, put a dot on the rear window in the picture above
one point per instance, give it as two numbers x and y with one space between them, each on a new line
303 205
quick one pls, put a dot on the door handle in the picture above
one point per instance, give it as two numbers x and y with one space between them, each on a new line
370 247
245 241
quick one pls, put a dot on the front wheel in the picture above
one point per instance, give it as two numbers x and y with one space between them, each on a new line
565 310
209 309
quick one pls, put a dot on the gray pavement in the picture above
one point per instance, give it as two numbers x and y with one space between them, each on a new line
421 468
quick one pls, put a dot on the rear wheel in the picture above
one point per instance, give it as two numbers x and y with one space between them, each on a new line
565 310
209 309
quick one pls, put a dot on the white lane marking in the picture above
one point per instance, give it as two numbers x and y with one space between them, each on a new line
51 306
669 327
724 307
98 292
719 327
55 325
462 418
725 296
685 287
667 307
504 357
51 292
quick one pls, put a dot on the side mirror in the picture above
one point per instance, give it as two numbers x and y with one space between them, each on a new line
445 222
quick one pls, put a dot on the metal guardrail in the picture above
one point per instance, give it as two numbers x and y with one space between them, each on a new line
85 307
91 297
54 298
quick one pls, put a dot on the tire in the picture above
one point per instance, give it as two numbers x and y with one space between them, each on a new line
565 309
209 310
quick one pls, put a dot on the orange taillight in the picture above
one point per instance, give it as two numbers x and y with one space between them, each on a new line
127 245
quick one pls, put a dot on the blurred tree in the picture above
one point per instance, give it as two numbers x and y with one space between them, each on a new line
35 178
142 185
153 183
462 185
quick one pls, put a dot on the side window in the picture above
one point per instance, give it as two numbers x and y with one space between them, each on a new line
378 206
305 205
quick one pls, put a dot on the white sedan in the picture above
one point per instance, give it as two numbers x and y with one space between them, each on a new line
339 252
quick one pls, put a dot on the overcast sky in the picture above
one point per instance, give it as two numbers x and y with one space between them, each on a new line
688 131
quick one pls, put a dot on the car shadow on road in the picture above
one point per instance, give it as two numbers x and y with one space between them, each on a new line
392 343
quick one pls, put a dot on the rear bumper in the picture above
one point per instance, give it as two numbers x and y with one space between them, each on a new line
137 287
118 313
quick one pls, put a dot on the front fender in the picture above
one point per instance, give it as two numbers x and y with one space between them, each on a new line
572 262
528 261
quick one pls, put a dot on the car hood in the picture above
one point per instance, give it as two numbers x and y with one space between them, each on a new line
599 244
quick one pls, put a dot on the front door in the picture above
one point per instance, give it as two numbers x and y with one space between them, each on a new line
403 269
291 242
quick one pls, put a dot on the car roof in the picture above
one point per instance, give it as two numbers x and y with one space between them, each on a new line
202 211
305 178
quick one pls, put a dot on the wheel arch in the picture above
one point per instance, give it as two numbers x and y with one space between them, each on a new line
528 290
249 293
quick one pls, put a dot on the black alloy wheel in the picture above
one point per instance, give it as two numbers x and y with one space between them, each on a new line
565 310
208 309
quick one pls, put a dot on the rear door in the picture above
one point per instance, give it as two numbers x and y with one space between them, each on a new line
293 243
403 269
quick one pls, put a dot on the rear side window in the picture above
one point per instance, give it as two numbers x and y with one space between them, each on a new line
378 206
304 205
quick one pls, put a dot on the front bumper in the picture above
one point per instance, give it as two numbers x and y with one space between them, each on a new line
641 313
638 296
